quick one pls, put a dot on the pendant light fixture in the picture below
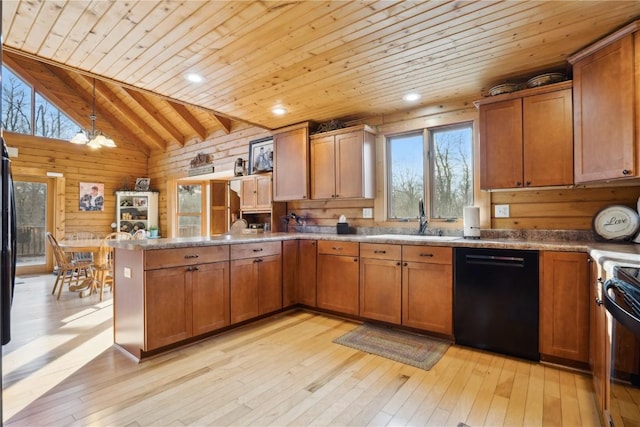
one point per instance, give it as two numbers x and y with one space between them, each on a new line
93 138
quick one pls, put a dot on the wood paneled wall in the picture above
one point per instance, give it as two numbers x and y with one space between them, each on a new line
110 166
166 167
562 209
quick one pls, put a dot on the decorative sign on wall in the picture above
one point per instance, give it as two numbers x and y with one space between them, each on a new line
201 164
91 196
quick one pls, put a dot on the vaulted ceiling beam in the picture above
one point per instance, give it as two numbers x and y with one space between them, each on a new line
128 113
153 111
85 94
224 122
191 121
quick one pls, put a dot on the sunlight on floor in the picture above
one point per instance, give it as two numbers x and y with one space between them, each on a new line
53 356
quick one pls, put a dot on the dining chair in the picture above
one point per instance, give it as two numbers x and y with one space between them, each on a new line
83 256
103 266
69 270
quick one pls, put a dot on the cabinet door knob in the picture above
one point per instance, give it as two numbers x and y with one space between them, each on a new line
518 184
405 264
626 172
398 263
598 301
528 183
355 260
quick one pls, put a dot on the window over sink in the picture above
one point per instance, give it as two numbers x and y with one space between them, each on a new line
435 164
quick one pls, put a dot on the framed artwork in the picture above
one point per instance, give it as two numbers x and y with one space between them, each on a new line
140 202
91 196
142 184
261 155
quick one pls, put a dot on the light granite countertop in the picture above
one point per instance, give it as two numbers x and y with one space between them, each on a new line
621 252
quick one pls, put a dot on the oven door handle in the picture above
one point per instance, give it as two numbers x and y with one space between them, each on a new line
627 319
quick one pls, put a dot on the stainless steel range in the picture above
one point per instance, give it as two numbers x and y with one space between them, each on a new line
622 301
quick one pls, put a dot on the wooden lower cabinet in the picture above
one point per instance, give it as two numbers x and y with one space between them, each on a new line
381 282
307 269
427 288
290 266
338 276
256 280
186 301
564 305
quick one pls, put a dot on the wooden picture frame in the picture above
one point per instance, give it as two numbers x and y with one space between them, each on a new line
142 184
91 196
260 155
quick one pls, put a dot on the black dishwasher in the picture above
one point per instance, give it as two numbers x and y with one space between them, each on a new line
496 300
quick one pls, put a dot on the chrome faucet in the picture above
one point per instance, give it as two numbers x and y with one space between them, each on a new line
422 218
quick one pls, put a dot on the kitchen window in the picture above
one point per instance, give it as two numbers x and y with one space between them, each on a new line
435 164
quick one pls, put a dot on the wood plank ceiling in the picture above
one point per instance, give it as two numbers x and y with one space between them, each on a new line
320 60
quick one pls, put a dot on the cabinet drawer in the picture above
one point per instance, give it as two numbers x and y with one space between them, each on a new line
333 247
431 254
380 251
254 250
164 258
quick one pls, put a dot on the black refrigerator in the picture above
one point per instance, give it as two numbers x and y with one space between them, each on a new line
8 237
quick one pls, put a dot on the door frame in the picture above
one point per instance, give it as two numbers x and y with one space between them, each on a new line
55 211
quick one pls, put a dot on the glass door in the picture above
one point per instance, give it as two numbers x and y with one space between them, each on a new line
191 203
34 218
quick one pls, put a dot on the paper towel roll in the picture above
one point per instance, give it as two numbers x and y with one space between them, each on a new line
471 221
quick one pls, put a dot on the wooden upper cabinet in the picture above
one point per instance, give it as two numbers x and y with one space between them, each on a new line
255 192
501 144
291 164
342 164
548 139
526 138
606 99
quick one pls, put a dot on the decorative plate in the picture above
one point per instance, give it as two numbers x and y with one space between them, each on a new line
546 79
126 226
504 88
616 222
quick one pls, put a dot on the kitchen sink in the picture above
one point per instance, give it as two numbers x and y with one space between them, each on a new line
415 237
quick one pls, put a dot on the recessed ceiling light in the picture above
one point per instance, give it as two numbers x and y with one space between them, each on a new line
411 97
279 111
194 78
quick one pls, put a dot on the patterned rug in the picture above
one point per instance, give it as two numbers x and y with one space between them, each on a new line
411 349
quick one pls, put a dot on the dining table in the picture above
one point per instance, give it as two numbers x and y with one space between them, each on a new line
75 246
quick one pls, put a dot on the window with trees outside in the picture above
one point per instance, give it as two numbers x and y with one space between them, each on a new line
26 111
190 209
434 164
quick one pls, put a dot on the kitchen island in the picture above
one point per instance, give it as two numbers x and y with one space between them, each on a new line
170 292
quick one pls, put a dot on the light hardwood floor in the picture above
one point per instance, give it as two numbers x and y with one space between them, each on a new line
60 369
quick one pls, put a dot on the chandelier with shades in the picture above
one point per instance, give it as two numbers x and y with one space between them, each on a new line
92 138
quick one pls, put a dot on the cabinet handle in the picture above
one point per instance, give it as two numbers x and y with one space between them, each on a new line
398 263
528 183
313 243
194 269
626 172
405 264
379 252
355 260
336 248
427 255
598 301
258 260
191 256
518 184
257 250
600 280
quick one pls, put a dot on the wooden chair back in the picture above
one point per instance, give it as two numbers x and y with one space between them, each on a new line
104 265
69 269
